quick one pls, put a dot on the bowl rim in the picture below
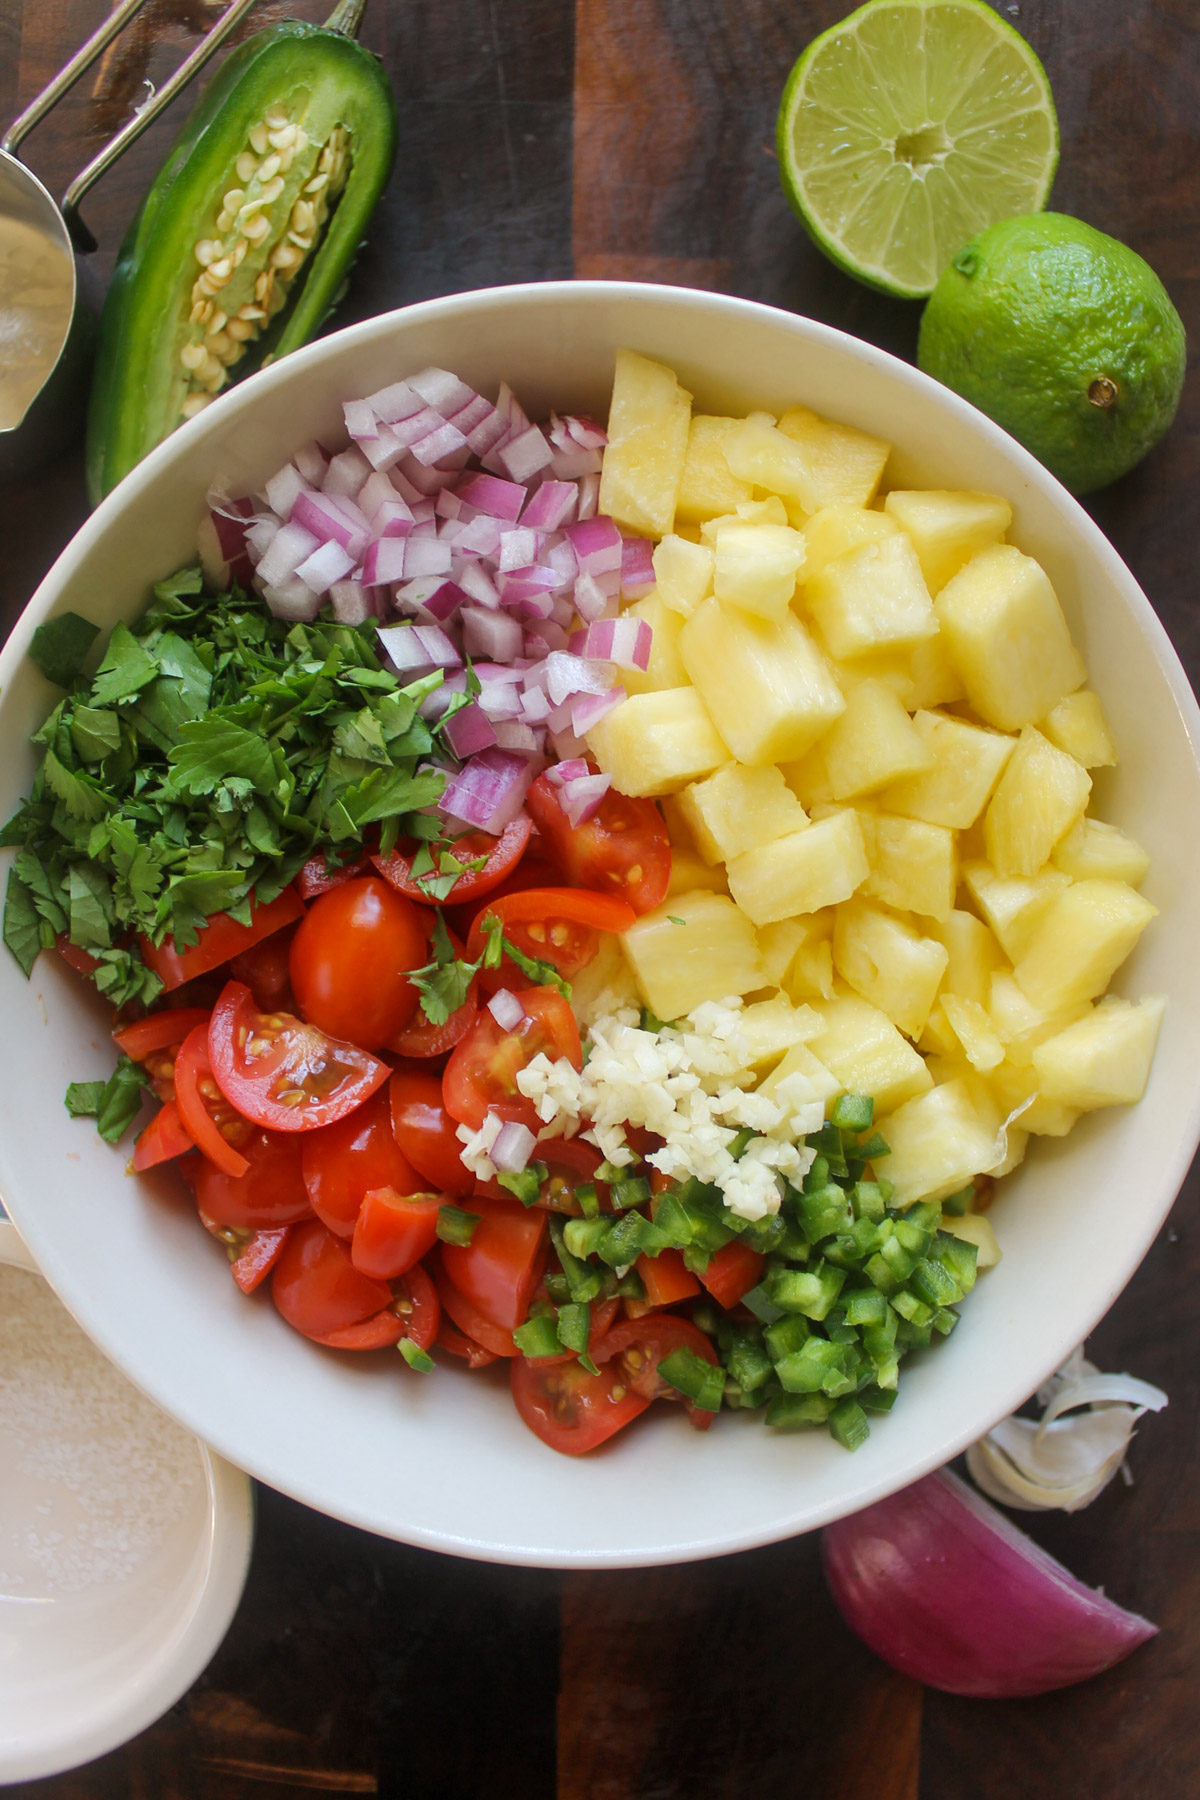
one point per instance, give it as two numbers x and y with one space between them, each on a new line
206 1611
580 293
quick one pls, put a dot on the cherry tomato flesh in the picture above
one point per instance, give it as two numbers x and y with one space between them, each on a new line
500 1267
351 958
271 1192
483 1068
425 1132
347 1159
280 1072
622 849
318 1290
393 1232
569 1409
503 853
219 939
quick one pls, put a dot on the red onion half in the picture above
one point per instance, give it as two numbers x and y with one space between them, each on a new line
946 1589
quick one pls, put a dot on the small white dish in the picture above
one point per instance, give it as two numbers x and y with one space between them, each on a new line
443 1460
124 1542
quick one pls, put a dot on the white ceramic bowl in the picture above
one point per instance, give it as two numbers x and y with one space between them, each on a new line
443 1460
120 1569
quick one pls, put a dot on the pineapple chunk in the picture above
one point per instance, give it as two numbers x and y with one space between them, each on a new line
976 1228
657 743
1092 848
811 974
1006 635
974 955
758 566
708 485
801 1061
739 809
1016 1090
837 529
779 942
768 458
802 872
967 761
939 1142
1104 1060
1080 942
864 1050
948 529
939 1037
647 442
888 963
666 668
981 1042
933 679
770 1028
873 743
765 682
914 866
770 510
1078 726
847 465
710 956
1021 1025
873 598
1013 905
605 983
689 871
683 573
1040 795
892 667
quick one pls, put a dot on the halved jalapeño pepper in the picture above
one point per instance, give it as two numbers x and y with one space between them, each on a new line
243 243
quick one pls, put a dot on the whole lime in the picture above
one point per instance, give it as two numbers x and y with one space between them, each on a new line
1063 336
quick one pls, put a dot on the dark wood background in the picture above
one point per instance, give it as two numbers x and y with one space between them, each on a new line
632 138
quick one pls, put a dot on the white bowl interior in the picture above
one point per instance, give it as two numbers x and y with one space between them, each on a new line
444 1461
114 1591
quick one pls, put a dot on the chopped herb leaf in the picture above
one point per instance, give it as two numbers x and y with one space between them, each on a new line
114 1104
60 647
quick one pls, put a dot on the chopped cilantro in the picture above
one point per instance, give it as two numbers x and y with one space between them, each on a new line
60 647
114 1104
443 983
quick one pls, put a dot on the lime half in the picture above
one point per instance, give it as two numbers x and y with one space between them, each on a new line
907 129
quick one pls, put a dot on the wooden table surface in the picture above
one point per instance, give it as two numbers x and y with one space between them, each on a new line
632 138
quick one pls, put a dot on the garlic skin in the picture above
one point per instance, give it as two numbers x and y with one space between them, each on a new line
1065 1459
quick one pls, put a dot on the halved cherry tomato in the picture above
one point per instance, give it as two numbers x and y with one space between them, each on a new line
570 1165
158 1031
418 1307
622 849
351 958
219 939
379 1332
420 1037
82 961
316 877
425 1132
502 853
530 872
266 970
279 1072
637 1346
475 1326
215 1126
459 1344
732 1272
666 1278
318 1290
262 1250
349 1158
165 1137
561 926
482 1071
500 1267
271 1192
393 1232
569 1409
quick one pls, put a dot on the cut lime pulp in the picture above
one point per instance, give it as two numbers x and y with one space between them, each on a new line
907 129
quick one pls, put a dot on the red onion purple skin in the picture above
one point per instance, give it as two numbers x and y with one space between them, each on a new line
947 1590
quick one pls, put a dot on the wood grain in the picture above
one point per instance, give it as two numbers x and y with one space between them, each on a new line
633 139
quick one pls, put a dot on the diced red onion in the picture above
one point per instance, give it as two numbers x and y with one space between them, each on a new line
590 602
426 481
377 491
576 428
468 418
597 543
328 563
580 798
625 641
260 536
564 675
224 551
425 556
524 454
500 499
489 790
569 465
544 637
513 734
418 649
637 569
480 536
946 1589
506 1009
496 635
353 604
468 731
282 488
346 474
442 390
535 706
288 549
383 561
513 1148
552 506
439 444
325 516
518 549
486 437
292 600
399 401
437 704
589 496
478 585
312 461
444 601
